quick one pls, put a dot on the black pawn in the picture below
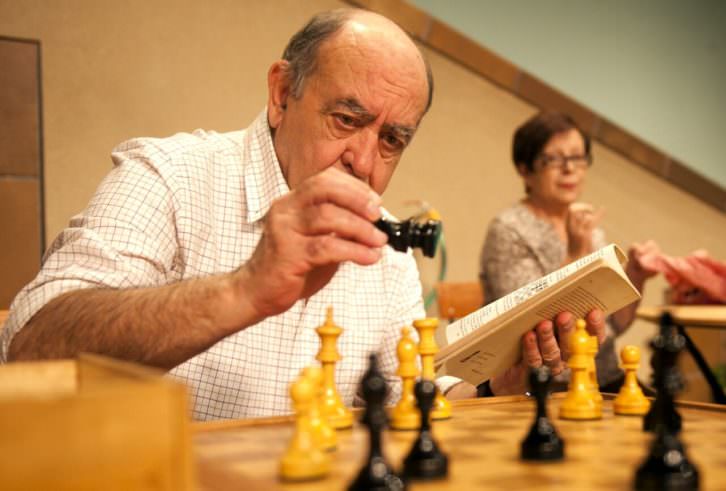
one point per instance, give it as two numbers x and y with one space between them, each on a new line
376 474
425 461
666 377
666 468
542 441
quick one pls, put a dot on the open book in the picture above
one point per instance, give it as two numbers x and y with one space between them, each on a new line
488 341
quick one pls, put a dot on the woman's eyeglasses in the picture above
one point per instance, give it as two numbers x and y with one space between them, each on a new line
560 161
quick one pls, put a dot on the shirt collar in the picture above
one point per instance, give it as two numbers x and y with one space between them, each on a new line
263 179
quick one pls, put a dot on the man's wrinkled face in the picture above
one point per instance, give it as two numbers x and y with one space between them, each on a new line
358 110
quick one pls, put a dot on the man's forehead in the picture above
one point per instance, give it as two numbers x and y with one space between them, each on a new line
369 89
373 71
383 45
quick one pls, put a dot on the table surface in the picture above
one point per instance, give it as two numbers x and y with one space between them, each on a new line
482 440
712 316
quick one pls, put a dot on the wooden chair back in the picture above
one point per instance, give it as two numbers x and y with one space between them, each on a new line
457 299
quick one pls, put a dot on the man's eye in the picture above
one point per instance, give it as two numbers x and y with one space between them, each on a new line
345 120
393 142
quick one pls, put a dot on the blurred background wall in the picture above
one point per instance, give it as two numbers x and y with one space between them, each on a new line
115 70
621 58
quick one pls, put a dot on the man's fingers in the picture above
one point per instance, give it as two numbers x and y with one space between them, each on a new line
512 381
548 346
596 324
565 324
341 189
327 249
326 219
530 350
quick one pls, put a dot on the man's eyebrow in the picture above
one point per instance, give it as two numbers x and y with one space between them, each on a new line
352 105
401 131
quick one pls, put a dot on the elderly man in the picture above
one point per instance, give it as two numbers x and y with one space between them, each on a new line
214 255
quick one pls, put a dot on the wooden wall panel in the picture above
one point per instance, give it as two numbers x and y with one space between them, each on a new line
19 103
21 187
20 226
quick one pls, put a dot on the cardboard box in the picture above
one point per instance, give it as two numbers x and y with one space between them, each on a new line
92 424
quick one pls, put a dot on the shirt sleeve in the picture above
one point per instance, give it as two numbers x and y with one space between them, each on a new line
125 238
507 262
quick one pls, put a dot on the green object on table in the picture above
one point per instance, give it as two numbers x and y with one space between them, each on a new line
441 244
720 372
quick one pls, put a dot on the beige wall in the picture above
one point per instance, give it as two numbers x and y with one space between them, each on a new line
118 69
113 70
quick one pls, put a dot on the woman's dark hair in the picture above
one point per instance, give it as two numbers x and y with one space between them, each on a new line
533 135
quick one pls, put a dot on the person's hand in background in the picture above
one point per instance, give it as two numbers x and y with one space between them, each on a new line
582 219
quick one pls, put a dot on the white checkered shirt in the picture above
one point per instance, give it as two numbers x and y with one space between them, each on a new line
189 206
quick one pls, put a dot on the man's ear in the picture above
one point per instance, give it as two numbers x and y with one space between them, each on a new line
278 87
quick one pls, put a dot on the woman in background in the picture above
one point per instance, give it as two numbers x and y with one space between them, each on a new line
549 229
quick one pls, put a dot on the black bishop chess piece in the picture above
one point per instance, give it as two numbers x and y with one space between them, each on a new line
542 443
667 380
376 474
667 467
425 461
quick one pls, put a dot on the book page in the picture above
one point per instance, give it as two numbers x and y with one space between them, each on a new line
485 348
611 254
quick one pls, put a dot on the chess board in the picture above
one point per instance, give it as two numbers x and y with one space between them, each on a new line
482 440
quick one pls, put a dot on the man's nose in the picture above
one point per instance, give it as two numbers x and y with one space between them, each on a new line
362 153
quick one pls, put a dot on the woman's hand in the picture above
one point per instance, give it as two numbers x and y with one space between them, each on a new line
582 219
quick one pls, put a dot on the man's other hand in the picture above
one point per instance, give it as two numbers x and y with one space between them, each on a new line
547 344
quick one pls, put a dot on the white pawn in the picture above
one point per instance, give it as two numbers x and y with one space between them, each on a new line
406 416
324 433
303 459
580 402
630 399
592 369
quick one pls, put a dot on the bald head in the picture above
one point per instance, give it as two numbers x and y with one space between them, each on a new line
346 27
